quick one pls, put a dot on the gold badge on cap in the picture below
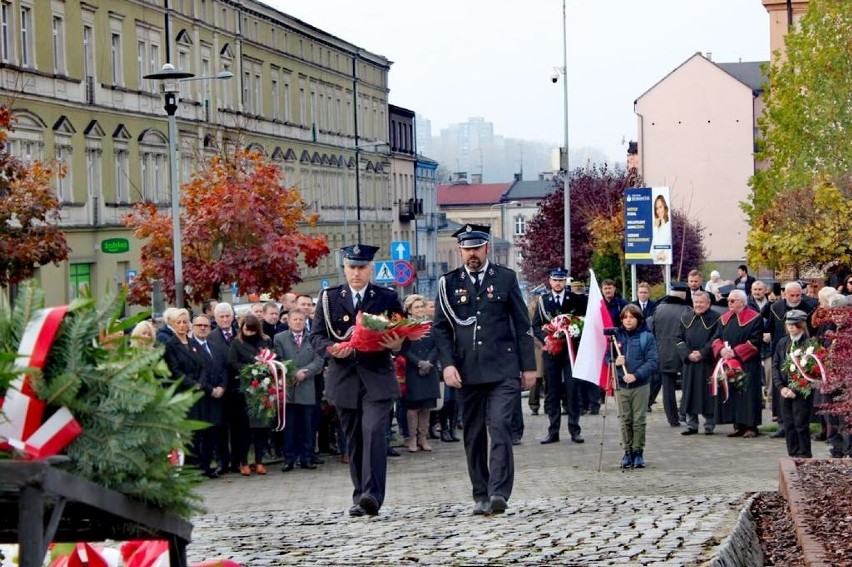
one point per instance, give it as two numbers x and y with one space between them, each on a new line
356 250
468 228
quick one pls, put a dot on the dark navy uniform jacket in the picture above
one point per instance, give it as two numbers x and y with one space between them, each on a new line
370 371
495 346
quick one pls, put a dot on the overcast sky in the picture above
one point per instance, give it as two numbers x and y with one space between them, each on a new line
453 59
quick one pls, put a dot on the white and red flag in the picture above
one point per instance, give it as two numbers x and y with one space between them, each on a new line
590 365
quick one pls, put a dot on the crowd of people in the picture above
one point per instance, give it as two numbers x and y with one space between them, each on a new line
484 348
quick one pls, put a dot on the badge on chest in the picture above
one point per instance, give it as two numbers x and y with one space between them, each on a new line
462 295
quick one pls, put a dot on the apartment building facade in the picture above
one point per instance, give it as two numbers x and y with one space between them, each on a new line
73 73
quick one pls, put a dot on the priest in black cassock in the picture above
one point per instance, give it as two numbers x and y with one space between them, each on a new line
695 347
739 336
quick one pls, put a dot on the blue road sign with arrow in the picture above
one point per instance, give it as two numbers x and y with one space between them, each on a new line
401 250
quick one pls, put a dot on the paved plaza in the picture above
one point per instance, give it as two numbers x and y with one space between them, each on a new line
563 511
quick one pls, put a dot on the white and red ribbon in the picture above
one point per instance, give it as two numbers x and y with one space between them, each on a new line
21 426
279 380
720 376
800 363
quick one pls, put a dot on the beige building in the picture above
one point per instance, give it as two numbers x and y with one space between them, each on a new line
696 135
74 73
782 13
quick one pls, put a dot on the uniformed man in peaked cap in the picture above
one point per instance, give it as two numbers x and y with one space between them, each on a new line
361 385
485 345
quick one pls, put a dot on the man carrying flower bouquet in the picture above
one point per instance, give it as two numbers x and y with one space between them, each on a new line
559 381
360 384
739 336
485 346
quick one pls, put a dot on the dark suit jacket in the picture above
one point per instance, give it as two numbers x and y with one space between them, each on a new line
215 376
650 305
187 366
499 343
303 356
372 371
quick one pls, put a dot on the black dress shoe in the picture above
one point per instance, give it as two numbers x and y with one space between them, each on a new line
212 474
534 411
516 441
393 452
455 436
356 511
498 504
482 508
433 433
577 438
446 436
689 432
778 434
287 467
318 460
551 438
309 466
369 504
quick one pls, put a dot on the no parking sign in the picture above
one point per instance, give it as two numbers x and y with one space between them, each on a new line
403 273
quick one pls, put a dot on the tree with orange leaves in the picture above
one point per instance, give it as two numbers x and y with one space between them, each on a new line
239 224
29 213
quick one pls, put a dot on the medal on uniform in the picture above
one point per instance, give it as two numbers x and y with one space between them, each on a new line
346 318
463 299
490 291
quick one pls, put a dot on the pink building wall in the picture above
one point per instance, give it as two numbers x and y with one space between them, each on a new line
696 136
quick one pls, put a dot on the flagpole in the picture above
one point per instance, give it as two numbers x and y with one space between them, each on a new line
614 377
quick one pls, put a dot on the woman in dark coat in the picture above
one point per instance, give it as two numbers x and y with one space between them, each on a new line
421 378
243 350
184 360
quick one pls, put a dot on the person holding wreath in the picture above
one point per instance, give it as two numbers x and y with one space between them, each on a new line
796 406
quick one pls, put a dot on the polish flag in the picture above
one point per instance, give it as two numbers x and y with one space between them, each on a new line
590 365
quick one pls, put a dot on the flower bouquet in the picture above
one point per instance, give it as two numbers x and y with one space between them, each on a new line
728 373
559 329
370 330
804 367
264 384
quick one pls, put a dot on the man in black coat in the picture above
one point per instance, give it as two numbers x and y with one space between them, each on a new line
361 385
215 380
485 346
557 367
666 327
234 431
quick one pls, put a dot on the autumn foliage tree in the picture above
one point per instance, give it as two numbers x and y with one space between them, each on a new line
798 208
239 224
597 230
29 211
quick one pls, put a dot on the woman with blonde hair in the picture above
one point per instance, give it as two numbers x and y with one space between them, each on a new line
421 378
142 335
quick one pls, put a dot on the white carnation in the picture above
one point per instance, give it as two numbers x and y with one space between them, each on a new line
810 350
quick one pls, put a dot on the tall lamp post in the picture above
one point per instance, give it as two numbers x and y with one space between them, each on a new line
171 79
358 149
565 169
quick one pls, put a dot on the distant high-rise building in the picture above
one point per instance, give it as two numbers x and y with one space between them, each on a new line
423 131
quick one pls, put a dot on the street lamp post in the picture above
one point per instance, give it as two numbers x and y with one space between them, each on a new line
565 173
358 149
171 79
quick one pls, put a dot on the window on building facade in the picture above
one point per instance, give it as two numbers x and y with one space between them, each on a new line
147 57
115 59
286 97
27 32
79 280
121 156
6 41
520 225
58 29
63 152
153 151
275 95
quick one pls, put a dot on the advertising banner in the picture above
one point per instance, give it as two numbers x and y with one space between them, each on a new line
647 224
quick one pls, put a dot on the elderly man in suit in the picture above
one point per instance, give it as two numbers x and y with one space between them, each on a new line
293 344
485 346
361 385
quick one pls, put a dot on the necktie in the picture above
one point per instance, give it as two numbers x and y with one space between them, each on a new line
643 307
558 300
298 338
227 334
206 348
357 302
475 276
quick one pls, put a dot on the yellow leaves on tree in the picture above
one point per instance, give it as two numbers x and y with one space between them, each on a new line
239 224
807 227
29 213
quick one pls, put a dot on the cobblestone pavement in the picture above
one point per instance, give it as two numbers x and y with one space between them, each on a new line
562 511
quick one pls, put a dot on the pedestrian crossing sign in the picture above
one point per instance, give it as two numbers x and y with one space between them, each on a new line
383 272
